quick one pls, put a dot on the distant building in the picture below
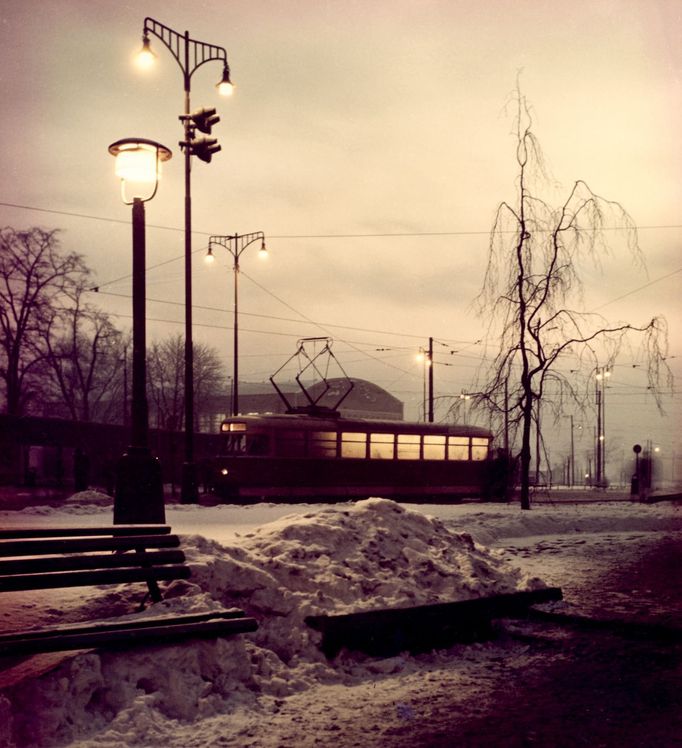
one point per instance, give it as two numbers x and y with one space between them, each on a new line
366 400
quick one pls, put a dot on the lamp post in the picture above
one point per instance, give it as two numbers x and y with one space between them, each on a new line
236 244
601 376
425 356
190 54
138 497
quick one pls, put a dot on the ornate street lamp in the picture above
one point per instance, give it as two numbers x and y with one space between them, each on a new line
602 374
190 54
236 244
425 356
138 496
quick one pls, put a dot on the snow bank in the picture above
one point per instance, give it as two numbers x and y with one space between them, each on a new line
371 554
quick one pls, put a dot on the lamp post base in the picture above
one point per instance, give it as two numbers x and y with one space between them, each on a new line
138 498
189 489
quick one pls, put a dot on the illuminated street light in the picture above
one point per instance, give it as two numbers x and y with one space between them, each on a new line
425 357
138 497
236 244
190 54
601 375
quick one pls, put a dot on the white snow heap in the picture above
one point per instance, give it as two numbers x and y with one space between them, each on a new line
340 559
334 559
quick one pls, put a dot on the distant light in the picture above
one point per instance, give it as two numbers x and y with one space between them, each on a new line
263 251
210 257
224 471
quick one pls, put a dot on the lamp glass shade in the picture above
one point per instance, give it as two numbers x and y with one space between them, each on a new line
145 58
138 164
225 88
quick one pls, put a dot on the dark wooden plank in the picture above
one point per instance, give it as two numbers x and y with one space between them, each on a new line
50 564
161 635
84 545
94 577
103 626
12 533
422 628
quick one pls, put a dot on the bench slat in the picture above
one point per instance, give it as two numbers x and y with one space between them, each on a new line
103 626
84 545
162 635
19 582
49 564
10 533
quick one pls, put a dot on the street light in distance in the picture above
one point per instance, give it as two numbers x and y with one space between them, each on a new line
235 245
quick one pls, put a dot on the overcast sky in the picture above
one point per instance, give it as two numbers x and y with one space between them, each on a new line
371 142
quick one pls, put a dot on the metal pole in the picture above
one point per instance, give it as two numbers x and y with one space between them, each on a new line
235 363
572 474
189 493
598 444
125 386
603 429
140 428
430 380
506 417
139 496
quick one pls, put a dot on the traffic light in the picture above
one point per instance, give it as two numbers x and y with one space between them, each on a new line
204 119
202 148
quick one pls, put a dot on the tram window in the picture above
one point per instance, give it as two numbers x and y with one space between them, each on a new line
291 444
479 449
458 448
408 446
258 444
353 444
322 444
381 446
234 444
434 447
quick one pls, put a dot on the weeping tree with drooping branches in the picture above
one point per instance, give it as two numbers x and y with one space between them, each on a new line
532 293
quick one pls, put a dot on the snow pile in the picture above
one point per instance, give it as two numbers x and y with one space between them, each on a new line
369 555
344 558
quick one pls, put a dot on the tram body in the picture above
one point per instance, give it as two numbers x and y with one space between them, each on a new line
297 457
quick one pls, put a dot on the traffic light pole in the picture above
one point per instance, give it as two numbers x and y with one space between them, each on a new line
189 491
194 54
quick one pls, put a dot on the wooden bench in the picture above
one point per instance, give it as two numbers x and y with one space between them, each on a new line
52 558
423 628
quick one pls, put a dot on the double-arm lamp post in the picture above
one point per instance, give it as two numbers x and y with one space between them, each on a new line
139 487
426 357
190 54
236 244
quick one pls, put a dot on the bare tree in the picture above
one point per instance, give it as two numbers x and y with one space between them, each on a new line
85 353
165 374
34 276
531 290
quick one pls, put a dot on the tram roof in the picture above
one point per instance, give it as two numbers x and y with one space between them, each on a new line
320 423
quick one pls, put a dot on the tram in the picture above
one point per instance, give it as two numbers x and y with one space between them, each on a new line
299 456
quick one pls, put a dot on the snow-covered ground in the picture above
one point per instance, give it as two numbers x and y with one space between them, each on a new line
281 563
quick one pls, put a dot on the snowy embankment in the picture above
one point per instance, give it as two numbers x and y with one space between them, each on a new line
306 560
